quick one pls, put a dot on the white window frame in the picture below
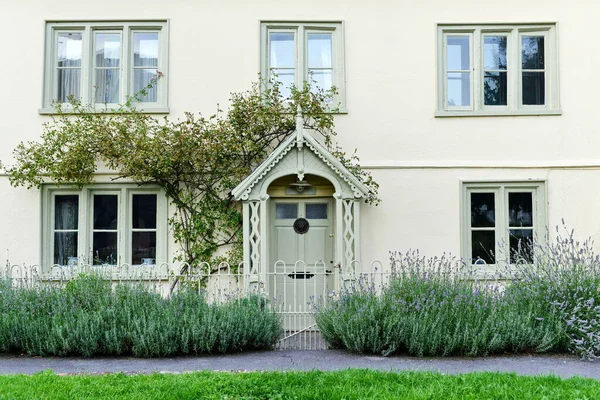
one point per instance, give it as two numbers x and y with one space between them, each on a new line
88 28
301 28
514 98
85 227
501 190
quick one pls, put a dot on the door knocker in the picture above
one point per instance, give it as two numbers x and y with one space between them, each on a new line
301 226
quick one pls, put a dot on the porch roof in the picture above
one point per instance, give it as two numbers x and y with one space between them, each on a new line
299 139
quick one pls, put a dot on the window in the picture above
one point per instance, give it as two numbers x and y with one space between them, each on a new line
294 52
497 70
102 63
502 220
104 225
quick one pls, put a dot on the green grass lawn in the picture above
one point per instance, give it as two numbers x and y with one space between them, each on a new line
349 384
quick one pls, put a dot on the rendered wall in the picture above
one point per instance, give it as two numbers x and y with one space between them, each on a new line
390 65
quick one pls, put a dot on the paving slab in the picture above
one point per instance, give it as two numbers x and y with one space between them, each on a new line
327 360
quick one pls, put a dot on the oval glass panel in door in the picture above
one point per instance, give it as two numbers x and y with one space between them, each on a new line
316 210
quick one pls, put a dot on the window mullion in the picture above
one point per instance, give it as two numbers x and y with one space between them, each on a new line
122 226
514 70
301 63
54 51
85 222
503 239
86 65
476 68
126 56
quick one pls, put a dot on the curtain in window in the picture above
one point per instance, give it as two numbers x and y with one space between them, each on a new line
145 64
320 66
66 210
68 48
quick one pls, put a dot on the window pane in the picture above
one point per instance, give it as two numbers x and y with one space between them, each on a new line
287 77
145 49
458 53
534 91
105 211
286 211
105 248
143 245
495 89
494 52
483 244
65 246
282 50
69 49
69 83
459 89
532 50
66 212
107 85
323 78
521 245
316 211
108 50
319 50
141 79
483 210
520 209
144 211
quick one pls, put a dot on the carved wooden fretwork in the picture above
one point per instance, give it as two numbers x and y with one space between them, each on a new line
254 236
348 229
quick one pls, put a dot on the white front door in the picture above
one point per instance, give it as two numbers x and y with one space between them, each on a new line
301 254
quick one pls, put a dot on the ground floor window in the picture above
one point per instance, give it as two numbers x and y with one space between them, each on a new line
104 225
502 220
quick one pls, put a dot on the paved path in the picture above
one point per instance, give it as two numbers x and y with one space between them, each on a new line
561 365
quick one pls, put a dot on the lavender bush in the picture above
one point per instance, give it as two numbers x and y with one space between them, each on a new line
88 317
430 309
433 307
565 277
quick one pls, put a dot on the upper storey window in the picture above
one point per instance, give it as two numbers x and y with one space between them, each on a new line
104 63
298 52
497 70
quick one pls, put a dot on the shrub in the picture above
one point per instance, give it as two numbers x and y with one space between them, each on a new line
427 310
565 277
88 317
552 304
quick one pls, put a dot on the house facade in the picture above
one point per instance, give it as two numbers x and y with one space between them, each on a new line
476 120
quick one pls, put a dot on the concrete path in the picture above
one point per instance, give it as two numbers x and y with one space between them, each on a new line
561 365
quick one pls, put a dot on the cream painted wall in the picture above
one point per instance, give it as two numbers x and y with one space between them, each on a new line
391 96
422 210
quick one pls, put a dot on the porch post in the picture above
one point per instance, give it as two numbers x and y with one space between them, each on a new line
264 258
339 232
246 242
252 245
356 219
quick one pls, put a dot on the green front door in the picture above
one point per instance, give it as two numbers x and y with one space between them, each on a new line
301 254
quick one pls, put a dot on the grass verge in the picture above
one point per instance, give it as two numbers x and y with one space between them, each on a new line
348 384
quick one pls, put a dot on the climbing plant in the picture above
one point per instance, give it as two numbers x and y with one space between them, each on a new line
196 160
